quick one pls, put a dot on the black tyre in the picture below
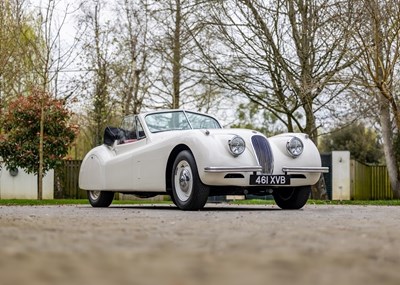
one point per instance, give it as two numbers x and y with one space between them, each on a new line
173 199
292 198
101 199
187 190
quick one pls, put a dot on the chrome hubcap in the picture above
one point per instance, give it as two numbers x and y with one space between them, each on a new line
183 180
94 195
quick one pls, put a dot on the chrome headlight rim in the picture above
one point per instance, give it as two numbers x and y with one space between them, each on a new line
294 147
237 145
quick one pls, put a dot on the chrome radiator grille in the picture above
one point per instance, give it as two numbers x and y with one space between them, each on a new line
264 154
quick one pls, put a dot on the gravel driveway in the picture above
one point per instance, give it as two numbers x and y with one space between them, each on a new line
223 244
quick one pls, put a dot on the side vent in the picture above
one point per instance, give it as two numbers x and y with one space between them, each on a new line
264 154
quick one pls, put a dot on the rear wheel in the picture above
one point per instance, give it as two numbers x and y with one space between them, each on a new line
189 193
100 198
292 198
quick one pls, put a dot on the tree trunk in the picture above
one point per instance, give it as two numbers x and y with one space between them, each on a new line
310 128
388 147
176 65
384 97
40 172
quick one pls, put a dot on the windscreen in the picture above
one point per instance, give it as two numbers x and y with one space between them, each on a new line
179 120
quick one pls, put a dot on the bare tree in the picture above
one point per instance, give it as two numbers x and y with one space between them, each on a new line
286 56
96 62
17 32
180 79
7 46
378 36
130 67
169 39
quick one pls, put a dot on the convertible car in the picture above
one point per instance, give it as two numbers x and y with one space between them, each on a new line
189 156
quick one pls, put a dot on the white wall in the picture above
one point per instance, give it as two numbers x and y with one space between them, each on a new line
24 185
340 175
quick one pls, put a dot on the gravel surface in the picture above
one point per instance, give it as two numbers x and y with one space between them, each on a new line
222 244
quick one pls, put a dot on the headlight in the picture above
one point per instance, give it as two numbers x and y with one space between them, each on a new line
237 146
294 147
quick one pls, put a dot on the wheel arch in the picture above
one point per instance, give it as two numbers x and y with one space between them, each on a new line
174 153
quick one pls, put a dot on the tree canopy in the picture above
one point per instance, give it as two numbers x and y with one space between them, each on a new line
363 143
19 144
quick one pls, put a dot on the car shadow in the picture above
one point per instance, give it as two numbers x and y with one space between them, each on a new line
210 207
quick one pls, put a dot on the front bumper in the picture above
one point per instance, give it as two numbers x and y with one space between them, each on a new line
220 169
305 169
240 175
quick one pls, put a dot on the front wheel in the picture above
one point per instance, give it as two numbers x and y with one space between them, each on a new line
292 198
101 199
189 193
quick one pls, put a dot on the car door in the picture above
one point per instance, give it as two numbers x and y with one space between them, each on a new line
124 169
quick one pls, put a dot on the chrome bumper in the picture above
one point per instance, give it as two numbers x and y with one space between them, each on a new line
305 169
220 169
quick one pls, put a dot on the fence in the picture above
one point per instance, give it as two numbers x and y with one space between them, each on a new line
369 182
66 181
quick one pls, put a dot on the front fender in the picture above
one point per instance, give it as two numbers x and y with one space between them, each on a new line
92 172
310 158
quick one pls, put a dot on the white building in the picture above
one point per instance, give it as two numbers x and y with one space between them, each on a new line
18 184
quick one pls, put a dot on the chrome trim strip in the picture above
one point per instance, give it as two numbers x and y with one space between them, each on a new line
306 169
219 169
187 119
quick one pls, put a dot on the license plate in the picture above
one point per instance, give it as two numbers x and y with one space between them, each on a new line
270 180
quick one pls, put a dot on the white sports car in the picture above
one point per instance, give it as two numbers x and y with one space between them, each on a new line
189 156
